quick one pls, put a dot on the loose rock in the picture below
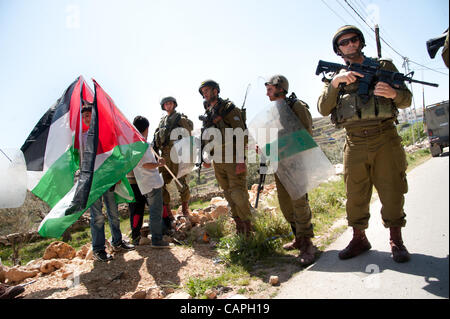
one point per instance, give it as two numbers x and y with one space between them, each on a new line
154 293
59 249
17 274
211 294
50 266
179 295
139 294
273 280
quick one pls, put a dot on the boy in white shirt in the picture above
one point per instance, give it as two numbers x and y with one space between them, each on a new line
150 184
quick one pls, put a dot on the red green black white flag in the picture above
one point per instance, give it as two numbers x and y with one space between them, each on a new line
52 155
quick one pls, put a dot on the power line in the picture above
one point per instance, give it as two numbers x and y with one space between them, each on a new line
357 22
349 13
423 66
323 1
360 6
360 25
401 55
363 8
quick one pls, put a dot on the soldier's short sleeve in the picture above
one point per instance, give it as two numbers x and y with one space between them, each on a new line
234 119
404 95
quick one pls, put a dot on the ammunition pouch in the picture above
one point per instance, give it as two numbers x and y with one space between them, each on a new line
351 108
166 126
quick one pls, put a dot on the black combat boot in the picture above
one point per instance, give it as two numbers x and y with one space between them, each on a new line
399 252
357 245
307 251
239 225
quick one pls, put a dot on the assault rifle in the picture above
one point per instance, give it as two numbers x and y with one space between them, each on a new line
262 179
373 73
207 123
434 44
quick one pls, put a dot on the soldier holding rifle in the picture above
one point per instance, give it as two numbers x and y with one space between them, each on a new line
373 153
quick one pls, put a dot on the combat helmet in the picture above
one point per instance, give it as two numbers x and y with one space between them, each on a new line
168 99
279 81
344 30
210 83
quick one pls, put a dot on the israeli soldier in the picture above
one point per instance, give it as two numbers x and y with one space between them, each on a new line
232 177
445 51
373 153
163 143
297 212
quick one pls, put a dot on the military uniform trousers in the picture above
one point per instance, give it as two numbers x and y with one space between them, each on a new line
184 192
234 189
297 212
376 160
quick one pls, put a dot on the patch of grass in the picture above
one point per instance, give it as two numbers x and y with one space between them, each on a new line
417 158
196 287
266 240
219 228
199 204
407 131
327 204
242 291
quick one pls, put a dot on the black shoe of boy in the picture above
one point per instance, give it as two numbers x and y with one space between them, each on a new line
135 241
101 255
123 245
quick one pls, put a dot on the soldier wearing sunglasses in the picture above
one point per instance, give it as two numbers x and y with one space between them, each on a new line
373 154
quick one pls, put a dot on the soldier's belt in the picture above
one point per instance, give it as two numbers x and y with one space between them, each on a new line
371 132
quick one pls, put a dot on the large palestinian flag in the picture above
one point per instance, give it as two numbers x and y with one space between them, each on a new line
52 155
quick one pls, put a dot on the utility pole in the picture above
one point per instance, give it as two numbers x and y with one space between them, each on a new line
377 39
406 66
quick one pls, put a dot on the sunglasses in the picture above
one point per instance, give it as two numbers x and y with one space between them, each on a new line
345 42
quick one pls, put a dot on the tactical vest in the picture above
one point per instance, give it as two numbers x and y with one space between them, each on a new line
350 108
167 124
216 117
224 107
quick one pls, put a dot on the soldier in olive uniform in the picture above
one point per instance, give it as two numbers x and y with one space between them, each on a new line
297 212
162 142
445 51
373 153
232 177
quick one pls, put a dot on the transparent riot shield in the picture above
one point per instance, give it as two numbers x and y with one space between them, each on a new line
13 178
291 152
184 153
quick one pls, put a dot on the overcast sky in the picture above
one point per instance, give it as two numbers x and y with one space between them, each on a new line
141 51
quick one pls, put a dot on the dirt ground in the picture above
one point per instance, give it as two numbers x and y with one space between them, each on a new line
167 270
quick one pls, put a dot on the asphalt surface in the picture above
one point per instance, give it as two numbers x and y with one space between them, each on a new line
374 275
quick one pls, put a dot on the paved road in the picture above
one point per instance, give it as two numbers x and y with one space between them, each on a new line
374 274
